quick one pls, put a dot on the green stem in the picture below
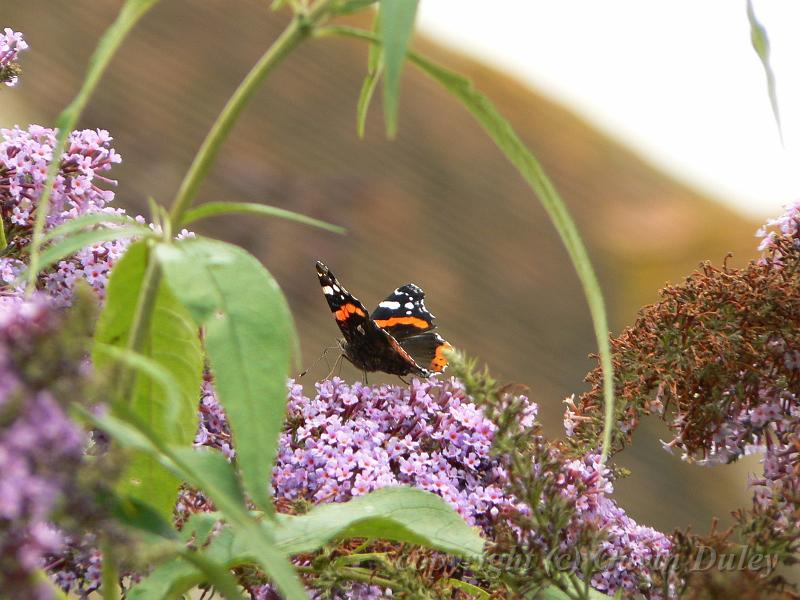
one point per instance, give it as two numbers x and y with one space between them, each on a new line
296 31
110 576
128 16
299 29
141 320
515 150
357 574
3 240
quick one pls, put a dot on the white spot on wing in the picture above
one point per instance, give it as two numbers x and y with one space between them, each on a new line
390 304
327 290
409 305
336 288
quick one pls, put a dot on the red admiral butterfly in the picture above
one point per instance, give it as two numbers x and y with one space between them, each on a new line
397 338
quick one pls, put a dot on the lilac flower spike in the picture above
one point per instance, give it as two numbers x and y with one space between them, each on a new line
81 187
351 439
11 44
40 450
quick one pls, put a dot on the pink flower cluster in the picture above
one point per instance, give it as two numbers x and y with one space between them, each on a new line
786 225
11 44
351 439
40 451
80 188
630 553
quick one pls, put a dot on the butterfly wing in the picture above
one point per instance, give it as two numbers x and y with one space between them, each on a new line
403 313
427 350
349 312
404 316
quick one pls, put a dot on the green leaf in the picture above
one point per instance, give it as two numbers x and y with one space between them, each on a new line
500 130
71 244
88 220
139 515
177 576
207 470
351 6
760 41
374 70
472 590
217 477
396 24
112 38
507 140
248 337
216 575
211 209
151 369
199 526
167 384
400 514
554 593
3 240
109 585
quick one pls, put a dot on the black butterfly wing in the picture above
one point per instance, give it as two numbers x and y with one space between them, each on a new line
405 317
349 312
427 350
403 313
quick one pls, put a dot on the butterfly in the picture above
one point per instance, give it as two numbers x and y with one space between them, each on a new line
397 338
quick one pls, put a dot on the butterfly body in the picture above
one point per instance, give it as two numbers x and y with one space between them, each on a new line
397 338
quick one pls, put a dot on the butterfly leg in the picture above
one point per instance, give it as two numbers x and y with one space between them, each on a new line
324 355
338 364
403 380
364 377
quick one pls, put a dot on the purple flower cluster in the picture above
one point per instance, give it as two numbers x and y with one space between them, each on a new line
77 568
786 225
40 450
351 439
80 188
772 426
630 554
213 430
353 591
11 44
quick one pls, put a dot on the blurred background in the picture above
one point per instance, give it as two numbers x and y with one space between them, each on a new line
697 165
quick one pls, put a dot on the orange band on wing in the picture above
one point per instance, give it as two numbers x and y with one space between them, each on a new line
346 310
413 321
439 361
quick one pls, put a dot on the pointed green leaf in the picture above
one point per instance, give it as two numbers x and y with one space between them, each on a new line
112 38
374 70
207 470
86 221
172 343
760 41
71 244
396 25
401 514
212 209
351 6
248 337
503 134
473 590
